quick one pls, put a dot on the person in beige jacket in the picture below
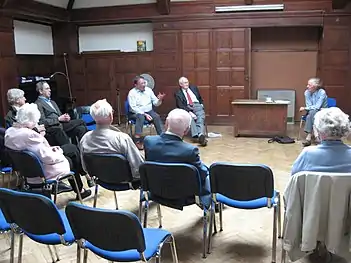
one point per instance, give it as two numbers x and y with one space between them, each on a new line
108 139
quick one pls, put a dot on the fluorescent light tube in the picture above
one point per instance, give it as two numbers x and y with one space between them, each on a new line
247 8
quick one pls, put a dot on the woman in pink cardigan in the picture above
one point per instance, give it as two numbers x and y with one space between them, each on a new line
21 136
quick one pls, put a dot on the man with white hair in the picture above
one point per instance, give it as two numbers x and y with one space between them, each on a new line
54 120
108 139
16 99
315 98
169 147
188 98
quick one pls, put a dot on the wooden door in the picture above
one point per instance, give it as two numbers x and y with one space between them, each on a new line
231 71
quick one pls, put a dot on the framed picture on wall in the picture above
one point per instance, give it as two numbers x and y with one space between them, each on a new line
141 45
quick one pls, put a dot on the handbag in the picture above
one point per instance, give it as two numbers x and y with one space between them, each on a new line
282 140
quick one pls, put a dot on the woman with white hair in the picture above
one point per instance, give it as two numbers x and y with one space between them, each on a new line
16 99
315 99
21 136
331 155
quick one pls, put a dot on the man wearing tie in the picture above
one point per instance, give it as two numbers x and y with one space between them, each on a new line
188 98
141 101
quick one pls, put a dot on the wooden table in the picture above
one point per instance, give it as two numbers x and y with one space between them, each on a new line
260 118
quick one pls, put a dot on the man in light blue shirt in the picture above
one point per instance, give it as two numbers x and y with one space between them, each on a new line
141 101
315 98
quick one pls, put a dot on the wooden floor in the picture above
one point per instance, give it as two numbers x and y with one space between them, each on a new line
247 234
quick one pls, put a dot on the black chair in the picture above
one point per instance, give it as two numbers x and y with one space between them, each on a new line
21 210
29 166
110 171
174 185
244 186
116 235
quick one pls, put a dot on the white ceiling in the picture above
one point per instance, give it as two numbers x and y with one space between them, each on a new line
100 3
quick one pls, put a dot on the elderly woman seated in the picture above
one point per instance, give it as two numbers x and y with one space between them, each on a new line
16 99
331 155
21 136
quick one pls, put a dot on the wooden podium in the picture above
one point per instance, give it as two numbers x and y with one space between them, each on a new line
260 118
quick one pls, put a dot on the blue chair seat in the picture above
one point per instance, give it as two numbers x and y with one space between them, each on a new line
6 169
114 187
4 226
303 117
54 239
153 238
252 204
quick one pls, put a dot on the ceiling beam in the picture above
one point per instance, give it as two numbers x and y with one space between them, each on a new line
340 4
35 11
70 5
164 7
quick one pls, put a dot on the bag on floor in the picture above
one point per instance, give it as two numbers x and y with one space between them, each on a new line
282 139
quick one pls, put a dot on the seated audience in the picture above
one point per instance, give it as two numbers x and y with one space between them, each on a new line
315 99
331 155
21 136
16 99
169 147
141 101
108 139
188 98
57 124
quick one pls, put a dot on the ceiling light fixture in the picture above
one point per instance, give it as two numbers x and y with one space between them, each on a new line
249 8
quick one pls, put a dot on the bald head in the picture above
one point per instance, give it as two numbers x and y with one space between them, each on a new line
102 112
178 122
184 82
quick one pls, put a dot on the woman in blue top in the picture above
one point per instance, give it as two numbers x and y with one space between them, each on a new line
331 155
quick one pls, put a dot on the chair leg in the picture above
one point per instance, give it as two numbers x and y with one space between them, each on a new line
78 192
9 182
78 252
116 203
279 207
159 216
51 254
3 179
55 192
56 253
220 217
12 252
299 131
20 248
173 250
96 194
146 207
212 215
204 237
283 255
274 241
85 259
140 206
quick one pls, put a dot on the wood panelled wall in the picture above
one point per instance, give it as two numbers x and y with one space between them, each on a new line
213 51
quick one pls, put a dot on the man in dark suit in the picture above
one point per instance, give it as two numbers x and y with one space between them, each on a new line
55 122
188 98
169 147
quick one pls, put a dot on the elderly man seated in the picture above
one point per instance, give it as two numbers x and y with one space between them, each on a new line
331 155
107 139
55 122
169 147
21 136
315 98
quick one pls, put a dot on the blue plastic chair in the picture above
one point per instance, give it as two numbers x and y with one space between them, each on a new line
112 172
131 122
331 103
29 166
84 114
4 226
244 186
174 185
116 235
50 228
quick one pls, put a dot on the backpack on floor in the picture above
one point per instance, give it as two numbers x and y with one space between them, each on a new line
282 139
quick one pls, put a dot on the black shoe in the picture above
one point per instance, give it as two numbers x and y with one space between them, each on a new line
90 182
63 188
84 195
306 143
202 140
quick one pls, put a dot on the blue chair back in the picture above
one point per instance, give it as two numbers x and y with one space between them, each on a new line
83 113
34 214
242 182
4 226
108 168
126 107
106 229
331 102
27 164
170 181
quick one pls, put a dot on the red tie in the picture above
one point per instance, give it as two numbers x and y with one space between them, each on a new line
190 101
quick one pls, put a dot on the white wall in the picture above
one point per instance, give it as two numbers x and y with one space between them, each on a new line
115 37
31 38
